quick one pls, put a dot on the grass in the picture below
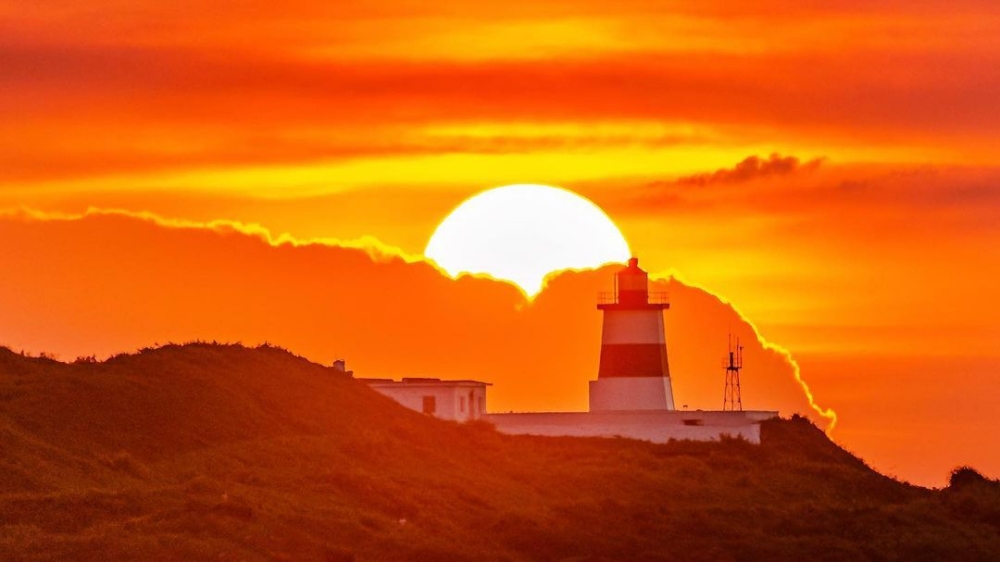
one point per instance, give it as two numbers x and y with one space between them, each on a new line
228 453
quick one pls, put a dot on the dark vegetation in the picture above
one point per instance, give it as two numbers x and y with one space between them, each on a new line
227 453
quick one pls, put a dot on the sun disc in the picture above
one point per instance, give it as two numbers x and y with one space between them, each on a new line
521 233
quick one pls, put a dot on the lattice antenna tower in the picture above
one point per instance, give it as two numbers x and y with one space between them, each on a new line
732 401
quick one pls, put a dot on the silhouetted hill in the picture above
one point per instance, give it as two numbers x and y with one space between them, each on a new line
224 452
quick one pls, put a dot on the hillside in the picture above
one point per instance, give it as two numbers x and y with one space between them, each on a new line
229 453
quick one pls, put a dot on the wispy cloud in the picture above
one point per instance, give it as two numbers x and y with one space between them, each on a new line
751 168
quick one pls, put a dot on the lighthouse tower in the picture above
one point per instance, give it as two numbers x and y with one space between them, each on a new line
633 374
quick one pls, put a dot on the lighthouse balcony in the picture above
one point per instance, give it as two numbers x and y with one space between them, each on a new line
637 299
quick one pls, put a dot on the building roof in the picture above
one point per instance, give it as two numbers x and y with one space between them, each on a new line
424 381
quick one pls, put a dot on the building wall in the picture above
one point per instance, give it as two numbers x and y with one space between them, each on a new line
633 326
631 393
633 343
654 426
459 402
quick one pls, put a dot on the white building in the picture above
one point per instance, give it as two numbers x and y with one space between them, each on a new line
634 373
458 400
632 396
656 426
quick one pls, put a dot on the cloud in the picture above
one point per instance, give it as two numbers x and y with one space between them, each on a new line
817 192
112 281
751 168
167 106
376 249
658 195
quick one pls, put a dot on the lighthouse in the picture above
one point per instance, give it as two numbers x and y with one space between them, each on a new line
634 373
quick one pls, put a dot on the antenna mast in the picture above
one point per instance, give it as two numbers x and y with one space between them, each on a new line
732 400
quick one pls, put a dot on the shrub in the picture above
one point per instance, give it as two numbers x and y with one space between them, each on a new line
964 476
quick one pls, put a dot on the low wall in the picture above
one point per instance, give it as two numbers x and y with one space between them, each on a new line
657 427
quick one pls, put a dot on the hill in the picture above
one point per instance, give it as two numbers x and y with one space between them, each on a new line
228 453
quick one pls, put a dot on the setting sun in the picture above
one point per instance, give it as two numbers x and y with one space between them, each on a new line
521 233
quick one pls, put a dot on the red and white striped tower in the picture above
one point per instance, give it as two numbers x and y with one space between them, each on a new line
634 373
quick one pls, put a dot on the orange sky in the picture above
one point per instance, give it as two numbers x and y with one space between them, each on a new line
829 169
